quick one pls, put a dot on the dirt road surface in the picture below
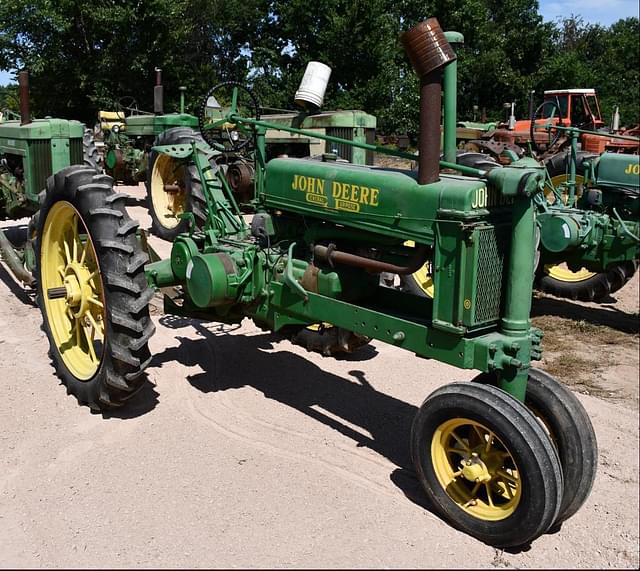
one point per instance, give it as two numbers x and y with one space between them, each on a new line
247 451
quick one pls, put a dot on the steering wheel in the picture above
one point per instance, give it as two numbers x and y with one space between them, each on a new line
127 102
221 100
553 134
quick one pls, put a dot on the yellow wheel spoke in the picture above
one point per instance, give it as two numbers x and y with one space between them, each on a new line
84 251
479 433
67 253
95 302
461 442
60 270
507 487
489 498
89 339
505 475
490 438
451 450
96 327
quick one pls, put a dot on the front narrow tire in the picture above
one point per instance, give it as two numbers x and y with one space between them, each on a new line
486 464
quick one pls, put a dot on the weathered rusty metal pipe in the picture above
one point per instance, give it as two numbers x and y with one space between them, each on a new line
13 261
23 86
158 103
429 52
333 256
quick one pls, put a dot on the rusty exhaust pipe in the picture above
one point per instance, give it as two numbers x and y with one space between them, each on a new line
23 88
331 255
429 52
158 104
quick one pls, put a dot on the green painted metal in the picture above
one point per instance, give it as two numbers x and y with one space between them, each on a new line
450 87
153 125
617 170
42 148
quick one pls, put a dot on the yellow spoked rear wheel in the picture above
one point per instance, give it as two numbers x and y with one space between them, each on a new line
476 469
168 204
72 284
486 463
92 289
174 187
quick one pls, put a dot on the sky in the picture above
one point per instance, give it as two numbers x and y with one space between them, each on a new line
603 12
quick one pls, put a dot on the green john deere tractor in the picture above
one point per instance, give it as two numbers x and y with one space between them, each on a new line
504 458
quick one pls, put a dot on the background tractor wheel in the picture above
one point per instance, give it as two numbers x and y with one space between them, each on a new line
584 285
571 431
558 170
91 157
486 464
173 187
92 290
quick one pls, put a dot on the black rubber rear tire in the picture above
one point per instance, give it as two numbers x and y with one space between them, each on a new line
530 446
120 260
194 195
91 157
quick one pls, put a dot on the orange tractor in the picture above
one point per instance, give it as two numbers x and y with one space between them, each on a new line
568 108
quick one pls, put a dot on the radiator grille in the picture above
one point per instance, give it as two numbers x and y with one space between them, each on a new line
40 153
344 151
492 249
76 152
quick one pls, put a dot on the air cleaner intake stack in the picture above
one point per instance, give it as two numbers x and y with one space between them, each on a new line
23 86
429 52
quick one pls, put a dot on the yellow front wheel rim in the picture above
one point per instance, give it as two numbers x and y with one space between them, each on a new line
476 469
168 204
72 291
563 274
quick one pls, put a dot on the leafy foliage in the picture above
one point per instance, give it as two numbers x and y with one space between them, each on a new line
83 57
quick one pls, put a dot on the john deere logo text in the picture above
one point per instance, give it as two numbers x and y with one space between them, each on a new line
345 196
486 198
632 169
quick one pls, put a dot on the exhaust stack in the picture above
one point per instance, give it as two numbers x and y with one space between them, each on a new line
429 52
158 93
23 86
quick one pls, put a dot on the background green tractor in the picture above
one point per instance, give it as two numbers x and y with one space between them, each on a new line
129 135
31 150
504 458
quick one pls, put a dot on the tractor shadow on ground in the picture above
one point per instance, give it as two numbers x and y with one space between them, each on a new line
255 360
607 315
